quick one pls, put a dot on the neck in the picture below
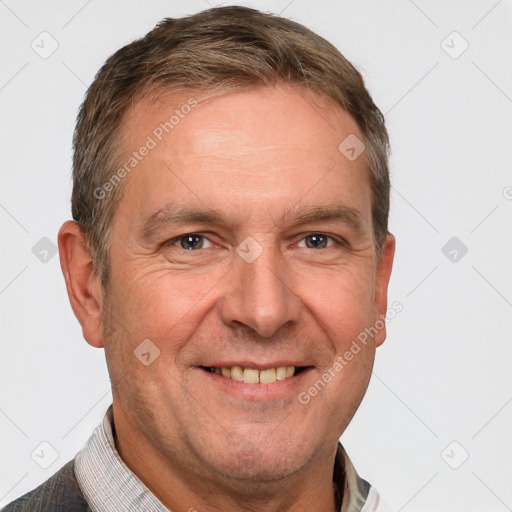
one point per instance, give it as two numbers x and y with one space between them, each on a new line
180 483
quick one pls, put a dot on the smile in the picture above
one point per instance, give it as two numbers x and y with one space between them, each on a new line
255 375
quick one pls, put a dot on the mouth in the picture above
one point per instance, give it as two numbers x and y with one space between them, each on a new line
252 375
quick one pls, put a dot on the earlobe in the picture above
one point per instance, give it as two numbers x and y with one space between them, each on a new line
383 274
83 285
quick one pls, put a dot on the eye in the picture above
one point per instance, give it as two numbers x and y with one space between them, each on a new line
190 242
317 241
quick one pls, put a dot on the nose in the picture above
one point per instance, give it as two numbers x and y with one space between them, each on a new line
260 295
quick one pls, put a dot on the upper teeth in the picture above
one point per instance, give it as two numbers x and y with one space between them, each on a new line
255 376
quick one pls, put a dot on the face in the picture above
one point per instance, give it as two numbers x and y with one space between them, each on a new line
242 245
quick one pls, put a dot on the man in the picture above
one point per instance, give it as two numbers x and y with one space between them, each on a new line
230 252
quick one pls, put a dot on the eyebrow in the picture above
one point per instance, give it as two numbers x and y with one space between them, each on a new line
332 213
175 214
178 214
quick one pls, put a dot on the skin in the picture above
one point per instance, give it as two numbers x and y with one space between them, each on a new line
194 440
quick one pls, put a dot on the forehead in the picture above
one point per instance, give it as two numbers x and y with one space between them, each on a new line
257 114
259 150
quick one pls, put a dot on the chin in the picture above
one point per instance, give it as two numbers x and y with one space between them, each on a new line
253 463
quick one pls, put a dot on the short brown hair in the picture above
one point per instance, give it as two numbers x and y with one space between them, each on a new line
220 49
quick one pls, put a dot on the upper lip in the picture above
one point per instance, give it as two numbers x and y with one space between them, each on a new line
252 364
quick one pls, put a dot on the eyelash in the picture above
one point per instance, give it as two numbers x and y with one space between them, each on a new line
340 242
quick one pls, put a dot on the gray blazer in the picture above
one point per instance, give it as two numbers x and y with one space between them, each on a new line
60 493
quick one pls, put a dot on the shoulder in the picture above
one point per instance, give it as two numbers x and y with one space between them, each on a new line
60 493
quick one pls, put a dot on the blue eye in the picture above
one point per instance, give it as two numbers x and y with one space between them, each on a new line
191 241
318 241
194 241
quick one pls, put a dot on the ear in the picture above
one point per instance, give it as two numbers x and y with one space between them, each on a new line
384 266
83 285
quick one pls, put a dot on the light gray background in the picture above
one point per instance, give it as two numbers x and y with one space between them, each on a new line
443 375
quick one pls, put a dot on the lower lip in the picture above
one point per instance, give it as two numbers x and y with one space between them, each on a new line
273 391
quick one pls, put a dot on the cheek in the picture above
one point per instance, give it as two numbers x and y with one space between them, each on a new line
160 304
342 304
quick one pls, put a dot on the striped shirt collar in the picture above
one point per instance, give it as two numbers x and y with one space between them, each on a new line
108 484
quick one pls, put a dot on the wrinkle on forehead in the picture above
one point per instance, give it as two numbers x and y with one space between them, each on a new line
232 112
